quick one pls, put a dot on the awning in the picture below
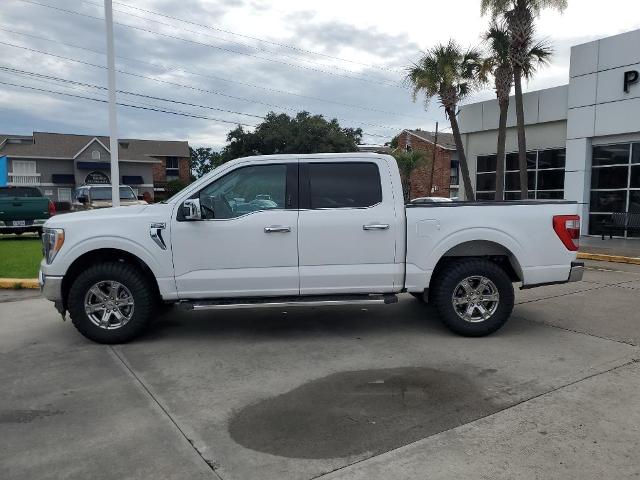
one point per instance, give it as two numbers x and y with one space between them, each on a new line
93 165
132 180
63 178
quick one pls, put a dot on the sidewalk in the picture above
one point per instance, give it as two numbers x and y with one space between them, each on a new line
628 250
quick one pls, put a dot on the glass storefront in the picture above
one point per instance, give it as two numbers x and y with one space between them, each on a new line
545 170
615 183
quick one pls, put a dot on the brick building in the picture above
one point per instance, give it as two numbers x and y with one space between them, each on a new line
57 163
446 173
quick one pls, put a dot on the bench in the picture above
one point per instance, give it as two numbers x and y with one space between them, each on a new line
621 222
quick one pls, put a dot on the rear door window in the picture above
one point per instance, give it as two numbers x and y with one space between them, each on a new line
344 185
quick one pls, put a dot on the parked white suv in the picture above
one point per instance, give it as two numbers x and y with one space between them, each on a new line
303 230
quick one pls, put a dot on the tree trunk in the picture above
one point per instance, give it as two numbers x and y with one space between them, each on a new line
500 157
522 140
464 167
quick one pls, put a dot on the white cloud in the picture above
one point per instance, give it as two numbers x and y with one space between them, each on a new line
374 33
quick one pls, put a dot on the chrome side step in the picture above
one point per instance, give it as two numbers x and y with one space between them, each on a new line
300 301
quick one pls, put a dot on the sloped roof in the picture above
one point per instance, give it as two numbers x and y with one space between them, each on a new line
62 145
445 140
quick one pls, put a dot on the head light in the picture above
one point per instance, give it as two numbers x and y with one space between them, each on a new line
52 241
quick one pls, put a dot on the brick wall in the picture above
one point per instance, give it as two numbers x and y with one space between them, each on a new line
185 169
420 176
160 171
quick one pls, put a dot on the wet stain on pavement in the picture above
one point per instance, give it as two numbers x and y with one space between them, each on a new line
351 413
25 416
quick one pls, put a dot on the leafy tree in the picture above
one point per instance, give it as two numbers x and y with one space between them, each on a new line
174 186
408 162
203 160
499 63
520 16
449 73
280 133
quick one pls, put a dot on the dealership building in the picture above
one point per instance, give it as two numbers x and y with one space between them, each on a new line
583 139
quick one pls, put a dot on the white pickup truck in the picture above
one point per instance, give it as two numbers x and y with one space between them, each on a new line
287 230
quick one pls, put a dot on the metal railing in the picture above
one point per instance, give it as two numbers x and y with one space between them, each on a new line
24 179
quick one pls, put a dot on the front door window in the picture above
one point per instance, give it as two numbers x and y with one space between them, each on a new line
245 190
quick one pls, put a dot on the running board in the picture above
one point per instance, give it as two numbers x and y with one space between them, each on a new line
270 302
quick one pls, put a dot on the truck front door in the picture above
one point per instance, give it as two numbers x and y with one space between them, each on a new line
247 243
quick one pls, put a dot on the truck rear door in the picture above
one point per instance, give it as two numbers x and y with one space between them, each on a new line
347 227
20 206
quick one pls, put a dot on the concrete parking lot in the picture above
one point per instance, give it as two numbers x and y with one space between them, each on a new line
344 392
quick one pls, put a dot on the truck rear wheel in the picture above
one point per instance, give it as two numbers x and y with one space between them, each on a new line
474 297
111 302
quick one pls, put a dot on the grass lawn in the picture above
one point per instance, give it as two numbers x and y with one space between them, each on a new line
19 256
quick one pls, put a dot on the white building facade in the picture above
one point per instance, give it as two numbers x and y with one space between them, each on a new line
583 139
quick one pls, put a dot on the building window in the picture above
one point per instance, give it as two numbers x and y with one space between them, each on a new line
454 176
172 168
545 175
615 183
95 155
64 195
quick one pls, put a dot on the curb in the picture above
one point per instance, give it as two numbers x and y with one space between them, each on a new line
18 283
608 258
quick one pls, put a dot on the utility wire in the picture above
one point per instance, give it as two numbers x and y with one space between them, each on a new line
180 68
279 44
210 45
125 104
226 40
152 109
181 85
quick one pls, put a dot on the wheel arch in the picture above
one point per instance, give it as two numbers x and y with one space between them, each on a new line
487 249
105 255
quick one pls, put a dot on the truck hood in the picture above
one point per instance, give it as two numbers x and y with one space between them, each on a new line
110 214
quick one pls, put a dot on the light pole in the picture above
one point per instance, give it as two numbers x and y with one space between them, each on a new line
113 112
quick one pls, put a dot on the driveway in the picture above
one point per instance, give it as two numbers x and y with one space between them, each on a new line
345 392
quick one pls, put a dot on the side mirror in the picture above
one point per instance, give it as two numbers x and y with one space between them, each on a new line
191 209
83 199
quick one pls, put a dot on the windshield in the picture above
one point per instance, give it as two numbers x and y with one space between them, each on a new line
104 193
21 192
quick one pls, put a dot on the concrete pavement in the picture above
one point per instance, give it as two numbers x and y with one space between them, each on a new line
381 393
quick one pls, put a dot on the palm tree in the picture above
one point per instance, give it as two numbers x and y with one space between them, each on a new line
407 163
449 73
520 19
499 63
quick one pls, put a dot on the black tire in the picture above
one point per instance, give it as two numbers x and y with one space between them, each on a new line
144 297
447 283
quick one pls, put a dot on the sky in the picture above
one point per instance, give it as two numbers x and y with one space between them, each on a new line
229 62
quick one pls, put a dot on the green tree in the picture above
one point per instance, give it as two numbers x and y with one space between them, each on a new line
408 162
449 73
520 16
203 160
280 133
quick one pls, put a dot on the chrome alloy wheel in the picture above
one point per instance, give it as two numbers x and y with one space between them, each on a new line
475 299
109 305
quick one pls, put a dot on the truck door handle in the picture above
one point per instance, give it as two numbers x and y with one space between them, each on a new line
376 226
276 229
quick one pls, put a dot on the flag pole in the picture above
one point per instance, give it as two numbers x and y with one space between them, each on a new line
113 112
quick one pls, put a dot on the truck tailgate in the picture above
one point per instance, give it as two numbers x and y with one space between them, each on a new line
23 208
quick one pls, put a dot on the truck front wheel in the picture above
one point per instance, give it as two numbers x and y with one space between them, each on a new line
474 297
111 302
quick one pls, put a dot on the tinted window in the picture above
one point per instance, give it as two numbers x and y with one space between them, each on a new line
486 182
245 190
487 163
21 192
512 180
551 159
344 185
611 155
513 163
612 177
611 201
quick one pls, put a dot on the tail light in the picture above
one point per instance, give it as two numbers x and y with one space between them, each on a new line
567 227
52 208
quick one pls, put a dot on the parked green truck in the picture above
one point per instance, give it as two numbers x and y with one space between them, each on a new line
23 209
